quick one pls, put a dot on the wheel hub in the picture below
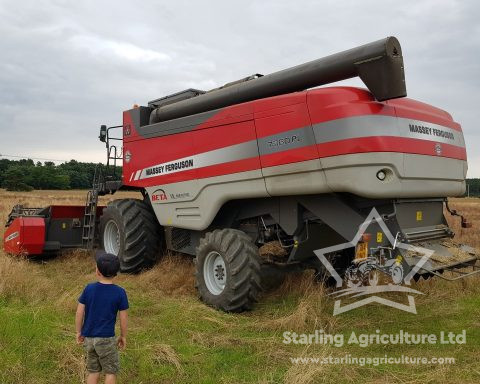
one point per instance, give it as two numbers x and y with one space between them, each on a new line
214 273
111 238
219 272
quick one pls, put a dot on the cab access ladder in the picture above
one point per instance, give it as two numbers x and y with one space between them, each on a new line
90 217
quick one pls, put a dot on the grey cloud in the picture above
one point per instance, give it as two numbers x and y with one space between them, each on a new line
69 66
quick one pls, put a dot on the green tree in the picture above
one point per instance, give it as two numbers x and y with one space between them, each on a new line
4 165
24 173
14 179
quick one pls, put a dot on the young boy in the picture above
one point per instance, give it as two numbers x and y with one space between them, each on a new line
95 320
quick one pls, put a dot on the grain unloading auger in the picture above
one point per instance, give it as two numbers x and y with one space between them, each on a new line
268 160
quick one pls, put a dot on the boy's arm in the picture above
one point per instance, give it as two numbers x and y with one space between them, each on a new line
122 340
79 322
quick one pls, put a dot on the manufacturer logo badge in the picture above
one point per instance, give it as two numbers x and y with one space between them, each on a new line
128 156
159 195
438 149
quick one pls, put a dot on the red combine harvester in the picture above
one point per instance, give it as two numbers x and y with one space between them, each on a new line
267 159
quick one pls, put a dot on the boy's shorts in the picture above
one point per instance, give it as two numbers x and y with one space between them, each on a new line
102 354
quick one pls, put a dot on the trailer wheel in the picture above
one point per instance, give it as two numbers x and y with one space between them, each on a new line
227 270
129 229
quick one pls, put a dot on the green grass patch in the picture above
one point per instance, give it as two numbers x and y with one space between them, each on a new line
174 338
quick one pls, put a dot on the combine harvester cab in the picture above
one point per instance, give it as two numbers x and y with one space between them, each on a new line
358 177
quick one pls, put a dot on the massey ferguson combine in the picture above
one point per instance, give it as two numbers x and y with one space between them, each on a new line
269 160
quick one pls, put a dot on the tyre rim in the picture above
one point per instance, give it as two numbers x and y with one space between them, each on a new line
111 238
215 273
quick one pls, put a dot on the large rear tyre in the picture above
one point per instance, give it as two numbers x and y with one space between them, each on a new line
130 230
227 270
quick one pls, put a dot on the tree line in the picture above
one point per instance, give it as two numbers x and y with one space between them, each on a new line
473 187
26 175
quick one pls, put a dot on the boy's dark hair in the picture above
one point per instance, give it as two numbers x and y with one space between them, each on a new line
107 264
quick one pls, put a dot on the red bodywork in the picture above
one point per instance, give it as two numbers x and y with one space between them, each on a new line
25 235
265 117
68 211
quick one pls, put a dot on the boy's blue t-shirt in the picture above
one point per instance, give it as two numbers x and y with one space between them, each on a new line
102 302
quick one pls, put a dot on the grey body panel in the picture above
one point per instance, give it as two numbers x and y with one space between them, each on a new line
170 127
379 125
194 204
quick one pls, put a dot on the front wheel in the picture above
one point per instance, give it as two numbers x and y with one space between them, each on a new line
227 270
129 230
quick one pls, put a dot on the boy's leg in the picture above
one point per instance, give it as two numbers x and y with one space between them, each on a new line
107 351
92 378
93 361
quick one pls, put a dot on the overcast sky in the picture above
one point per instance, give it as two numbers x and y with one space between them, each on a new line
68 66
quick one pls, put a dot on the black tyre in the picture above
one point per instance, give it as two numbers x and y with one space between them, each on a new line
130 230
227 270
272 277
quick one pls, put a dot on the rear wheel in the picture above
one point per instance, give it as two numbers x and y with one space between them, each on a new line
227 273
129 230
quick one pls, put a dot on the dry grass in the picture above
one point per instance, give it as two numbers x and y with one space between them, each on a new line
311 311
72 363
307 373
164 353
172 275
470 208
16 277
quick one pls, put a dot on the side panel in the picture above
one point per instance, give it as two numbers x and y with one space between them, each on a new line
159 160
288 152
25 235
225 166
356 173
12 238
420 147
198 213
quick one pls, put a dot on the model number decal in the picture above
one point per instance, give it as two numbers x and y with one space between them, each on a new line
284 141
181 195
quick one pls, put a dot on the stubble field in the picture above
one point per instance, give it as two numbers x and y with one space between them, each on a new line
174 338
